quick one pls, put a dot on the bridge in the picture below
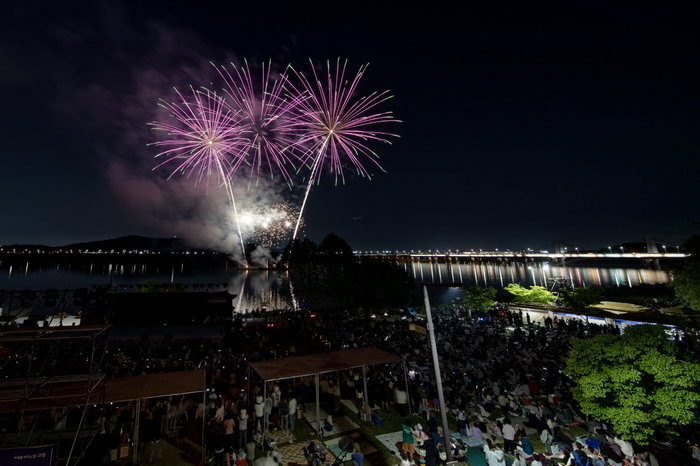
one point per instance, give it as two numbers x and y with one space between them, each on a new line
647 249
514 255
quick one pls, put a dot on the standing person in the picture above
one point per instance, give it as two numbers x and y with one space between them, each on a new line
431 456
546 439
181 427
407 445
330 394
336 397
323 388
360 398
284 414
242 428
508 436
156 448
292 412
219 447
229 424
401 400
276 398
259 410
462 424
268 411
494 455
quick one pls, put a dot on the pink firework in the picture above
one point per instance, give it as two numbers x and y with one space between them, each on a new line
264 113
336 125
204 139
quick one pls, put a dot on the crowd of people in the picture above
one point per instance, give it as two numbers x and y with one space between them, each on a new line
489 362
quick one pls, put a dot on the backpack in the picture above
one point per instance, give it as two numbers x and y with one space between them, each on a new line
527 446
581 458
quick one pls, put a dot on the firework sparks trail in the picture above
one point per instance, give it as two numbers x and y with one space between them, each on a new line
205 140
265 115
268 225
335 125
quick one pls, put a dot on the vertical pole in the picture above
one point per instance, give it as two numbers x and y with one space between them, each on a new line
137 418
319 429
264 414
204 420
364 382
438 376
408 392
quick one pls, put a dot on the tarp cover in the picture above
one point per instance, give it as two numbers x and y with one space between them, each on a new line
59 392
298 366
155 385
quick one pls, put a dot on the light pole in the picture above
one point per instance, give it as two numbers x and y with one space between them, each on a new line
436 366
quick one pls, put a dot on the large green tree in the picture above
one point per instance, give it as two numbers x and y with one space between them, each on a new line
686 275
329 275
535 294
479 298
640 382
582 298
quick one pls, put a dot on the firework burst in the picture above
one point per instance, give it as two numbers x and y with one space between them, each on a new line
268 225
335 125
204 139
264 113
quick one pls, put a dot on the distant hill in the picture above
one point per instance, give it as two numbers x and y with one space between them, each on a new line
128 243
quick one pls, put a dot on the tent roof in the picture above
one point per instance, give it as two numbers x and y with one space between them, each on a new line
59 392
155 385
299 366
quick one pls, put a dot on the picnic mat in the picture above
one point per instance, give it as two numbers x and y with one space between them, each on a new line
278 436
468 441
340 423
293 454
392 441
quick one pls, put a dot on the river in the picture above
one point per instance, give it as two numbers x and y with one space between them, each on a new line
261 288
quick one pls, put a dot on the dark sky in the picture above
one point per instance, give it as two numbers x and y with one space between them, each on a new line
519 125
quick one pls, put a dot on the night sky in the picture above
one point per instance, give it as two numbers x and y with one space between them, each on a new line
519 125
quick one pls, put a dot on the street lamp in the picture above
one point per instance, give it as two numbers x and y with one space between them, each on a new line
610 248
436 365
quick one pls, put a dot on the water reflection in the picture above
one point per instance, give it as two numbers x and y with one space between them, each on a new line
540 274
257 289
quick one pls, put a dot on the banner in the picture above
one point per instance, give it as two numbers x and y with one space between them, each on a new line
26 456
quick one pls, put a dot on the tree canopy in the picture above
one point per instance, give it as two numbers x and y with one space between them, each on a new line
582 298
640 382
686 275
535 294
479 298
329 275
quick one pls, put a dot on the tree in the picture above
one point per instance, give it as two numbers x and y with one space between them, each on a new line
581 299
686 275
329 274
478 298
640 382
536 294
